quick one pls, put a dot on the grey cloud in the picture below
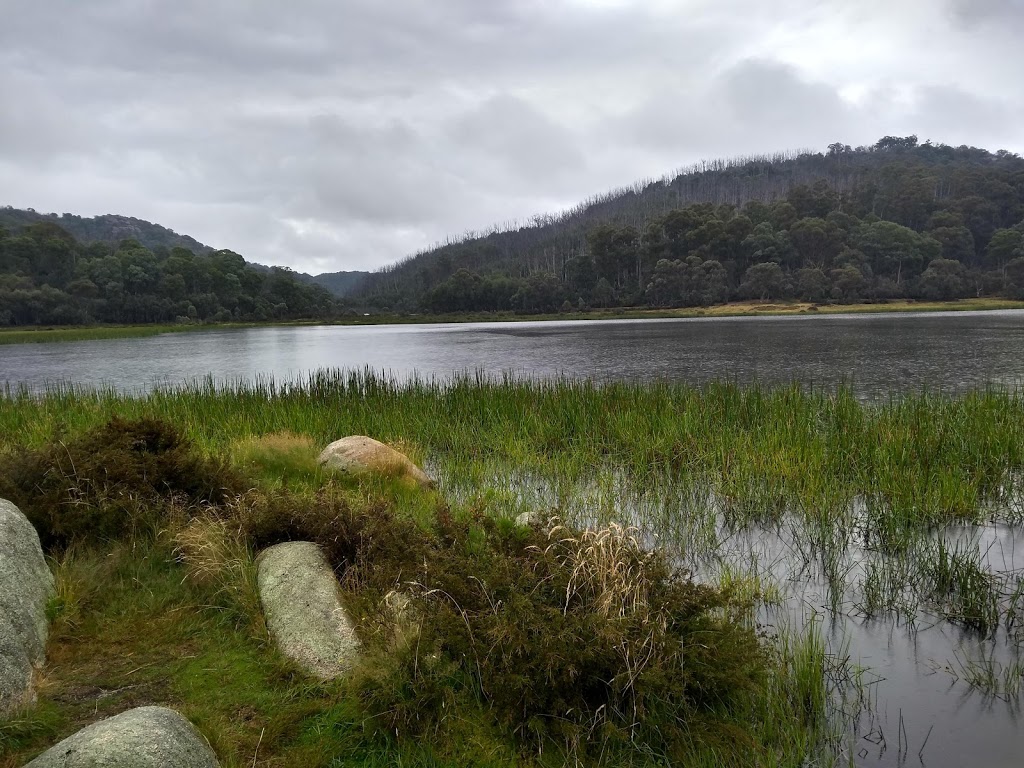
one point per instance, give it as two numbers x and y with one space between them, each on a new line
973 12
508 133
755 106
341 135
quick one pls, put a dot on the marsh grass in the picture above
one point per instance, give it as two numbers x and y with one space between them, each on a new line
531 645
854 496
280 458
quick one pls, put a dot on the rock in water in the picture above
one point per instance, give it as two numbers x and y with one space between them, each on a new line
358 455
26 585
303 609
147 737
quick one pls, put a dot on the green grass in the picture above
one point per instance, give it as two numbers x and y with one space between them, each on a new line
72 333
859 493
917 462
584 645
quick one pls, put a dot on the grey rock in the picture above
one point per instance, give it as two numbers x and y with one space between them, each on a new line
358 456
26 585
302 606
534 517
147 737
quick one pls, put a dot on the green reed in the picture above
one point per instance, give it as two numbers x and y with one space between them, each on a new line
919 462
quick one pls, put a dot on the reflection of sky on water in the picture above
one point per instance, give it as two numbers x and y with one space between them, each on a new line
949 352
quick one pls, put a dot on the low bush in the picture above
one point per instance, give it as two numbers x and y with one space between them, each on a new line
112 481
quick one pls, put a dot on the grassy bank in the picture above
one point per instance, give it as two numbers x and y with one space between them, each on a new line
735 309
860 496
71 333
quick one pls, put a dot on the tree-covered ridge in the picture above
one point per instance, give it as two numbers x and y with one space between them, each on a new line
47 277
898 219
341 284
108 228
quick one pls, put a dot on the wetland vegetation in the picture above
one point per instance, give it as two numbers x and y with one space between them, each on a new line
753 531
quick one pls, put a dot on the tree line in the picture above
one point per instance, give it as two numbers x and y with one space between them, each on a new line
898 219
48 277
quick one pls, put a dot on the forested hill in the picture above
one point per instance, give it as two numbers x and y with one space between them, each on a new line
108 228
112 229
341 284
49 277
895 219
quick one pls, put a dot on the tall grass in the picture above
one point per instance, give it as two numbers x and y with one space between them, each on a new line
918 462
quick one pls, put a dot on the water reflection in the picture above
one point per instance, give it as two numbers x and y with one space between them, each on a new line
878 354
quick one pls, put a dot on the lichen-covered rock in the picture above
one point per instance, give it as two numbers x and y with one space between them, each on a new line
26 585
147 737
534 517
359 456
302 606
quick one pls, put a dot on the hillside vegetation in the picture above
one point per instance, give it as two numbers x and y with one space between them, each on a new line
112 229
48 277
108 228
898 219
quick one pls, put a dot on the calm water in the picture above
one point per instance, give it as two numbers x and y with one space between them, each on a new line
879 353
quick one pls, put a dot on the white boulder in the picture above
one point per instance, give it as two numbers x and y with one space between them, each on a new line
303 610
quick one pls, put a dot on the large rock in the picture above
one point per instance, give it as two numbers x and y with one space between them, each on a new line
359 456
147 737
26 585
302 606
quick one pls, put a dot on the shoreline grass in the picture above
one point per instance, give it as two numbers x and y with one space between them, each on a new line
754 490
734 309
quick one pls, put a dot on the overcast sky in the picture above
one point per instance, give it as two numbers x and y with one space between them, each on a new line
345 134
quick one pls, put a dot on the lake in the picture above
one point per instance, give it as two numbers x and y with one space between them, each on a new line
878 353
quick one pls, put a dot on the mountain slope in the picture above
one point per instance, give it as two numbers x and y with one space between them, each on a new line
112 229
47 277
340 284
807 211
108 228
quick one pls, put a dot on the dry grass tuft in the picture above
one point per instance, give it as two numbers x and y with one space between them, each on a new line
280 456
216 553
609 569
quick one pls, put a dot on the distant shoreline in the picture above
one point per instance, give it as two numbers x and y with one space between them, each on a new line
30 335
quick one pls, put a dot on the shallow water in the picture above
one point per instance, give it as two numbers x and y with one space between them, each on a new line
878 354
914 705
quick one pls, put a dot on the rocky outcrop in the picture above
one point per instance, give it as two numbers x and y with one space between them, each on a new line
302 606
147 737
26 585
359 456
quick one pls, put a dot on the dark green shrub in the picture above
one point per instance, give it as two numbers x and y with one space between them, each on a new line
114 480
582 639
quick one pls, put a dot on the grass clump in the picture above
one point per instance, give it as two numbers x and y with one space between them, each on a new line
580 642
279 458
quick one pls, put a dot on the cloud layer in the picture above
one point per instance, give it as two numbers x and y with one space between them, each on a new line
329 135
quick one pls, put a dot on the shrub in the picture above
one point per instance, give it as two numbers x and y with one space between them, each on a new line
114 480
580 638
